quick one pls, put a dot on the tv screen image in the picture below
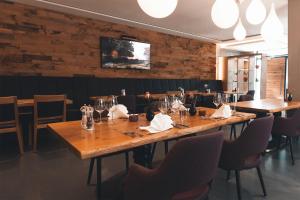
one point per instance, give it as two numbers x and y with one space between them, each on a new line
124 54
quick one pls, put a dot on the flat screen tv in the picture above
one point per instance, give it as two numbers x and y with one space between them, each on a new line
124 54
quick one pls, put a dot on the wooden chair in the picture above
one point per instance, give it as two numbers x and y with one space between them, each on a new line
12 125
39 121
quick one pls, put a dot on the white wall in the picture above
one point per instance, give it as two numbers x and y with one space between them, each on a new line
294 48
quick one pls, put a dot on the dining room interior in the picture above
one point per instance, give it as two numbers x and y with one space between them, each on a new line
149 100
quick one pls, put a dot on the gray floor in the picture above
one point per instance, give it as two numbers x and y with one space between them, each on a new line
55 173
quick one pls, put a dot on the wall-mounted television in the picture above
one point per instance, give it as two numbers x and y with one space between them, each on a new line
124 54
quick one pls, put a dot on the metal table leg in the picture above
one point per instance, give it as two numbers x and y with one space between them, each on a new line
99 177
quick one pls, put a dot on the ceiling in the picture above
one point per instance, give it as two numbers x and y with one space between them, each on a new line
191 18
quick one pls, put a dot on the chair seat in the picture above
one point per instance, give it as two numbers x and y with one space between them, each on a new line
248 163
197 193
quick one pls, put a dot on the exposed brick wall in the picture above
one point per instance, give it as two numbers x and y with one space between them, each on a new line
43 42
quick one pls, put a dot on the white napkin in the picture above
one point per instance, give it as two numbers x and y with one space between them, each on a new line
178 105
159 123
223 112
119 111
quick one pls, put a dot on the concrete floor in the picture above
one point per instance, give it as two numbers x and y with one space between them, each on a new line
55 173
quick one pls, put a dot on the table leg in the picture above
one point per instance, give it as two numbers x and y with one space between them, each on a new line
99 177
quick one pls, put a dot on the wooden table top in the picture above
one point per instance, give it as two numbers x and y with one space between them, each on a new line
119 135
30 102
266 105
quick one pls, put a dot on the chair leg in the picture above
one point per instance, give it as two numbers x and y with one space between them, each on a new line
127 161
238 184
243 127
228 175
30 135
92 162
291 150
20 140
261 181
233 131
35 132
279 142
166 147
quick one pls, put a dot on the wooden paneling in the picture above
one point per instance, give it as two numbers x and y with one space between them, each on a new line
275 77
43 42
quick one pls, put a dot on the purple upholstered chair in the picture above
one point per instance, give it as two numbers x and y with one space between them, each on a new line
245 152
289 127
185 174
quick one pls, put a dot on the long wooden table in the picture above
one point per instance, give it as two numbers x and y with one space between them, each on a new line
113 137
30 102
266 105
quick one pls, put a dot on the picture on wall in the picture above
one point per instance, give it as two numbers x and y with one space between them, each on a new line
124 54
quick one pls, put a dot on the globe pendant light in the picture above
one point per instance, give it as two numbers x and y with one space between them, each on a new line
239 32
158 8
272 30
225 13
256 12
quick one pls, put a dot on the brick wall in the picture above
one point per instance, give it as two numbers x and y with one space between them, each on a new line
37 41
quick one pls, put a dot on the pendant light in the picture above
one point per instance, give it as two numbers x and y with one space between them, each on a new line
158 8
239 32
272 30
225 13
256 12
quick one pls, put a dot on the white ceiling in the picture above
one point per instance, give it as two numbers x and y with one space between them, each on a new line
190 19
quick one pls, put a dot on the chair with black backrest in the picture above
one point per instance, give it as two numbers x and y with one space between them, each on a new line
130 102
251 93
245 152
186 173
289 127
47 109
246 97
9 119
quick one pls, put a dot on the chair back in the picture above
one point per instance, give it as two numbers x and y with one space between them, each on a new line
9 116
294 125
129 101
49 108
254 140
251 93
191 163
246 98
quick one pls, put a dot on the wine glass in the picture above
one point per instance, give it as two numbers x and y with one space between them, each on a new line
217 100
163 105
100 107
111 105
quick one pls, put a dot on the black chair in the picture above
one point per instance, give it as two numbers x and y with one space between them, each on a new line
245 152
251 93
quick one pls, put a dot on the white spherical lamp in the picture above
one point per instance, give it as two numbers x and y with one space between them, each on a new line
239 32
158 8
225 13
256 12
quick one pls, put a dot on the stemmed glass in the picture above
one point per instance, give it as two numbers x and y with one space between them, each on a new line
163 106
217 100
100 107
111 106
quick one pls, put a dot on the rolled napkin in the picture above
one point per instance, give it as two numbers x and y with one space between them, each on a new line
159 123
117 112
223 112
